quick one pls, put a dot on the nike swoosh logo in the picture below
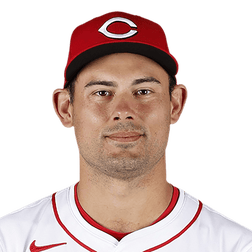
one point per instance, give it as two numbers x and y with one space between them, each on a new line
34 248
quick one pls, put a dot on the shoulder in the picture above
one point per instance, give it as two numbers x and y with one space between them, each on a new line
222 223
23 217
218 227
29 212
21 224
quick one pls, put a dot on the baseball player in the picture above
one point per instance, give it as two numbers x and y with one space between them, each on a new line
120 95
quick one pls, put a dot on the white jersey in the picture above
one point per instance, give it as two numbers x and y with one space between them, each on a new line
55 224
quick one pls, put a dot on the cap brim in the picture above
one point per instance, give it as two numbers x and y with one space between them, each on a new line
162 58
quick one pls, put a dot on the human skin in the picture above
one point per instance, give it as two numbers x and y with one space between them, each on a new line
121 113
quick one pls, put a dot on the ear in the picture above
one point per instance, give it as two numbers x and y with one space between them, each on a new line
178 99
63 107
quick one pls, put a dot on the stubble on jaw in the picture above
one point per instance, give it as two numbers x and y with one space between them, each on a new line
127 165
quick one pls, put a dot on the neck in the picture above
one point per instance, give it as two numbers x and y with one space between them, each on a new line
124 206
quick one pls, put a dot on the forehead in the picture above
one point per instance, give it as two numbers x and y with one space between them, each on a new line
121 66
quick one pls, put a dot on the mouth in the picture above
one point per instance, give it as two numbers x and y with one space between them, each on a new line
125 136
125 139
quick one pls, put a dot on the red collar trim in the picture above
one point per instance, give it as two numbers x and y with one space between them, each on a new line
119 235
171 206
200 206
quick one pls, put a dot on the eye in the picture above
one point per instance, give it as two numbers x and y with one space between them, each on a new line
103 93
143 92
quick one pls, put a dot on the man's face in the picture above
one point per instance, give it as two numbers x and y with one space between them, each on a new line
121 115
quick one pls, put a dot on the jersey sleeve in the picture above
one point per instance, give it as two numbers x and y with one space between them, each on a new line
1 246
249 249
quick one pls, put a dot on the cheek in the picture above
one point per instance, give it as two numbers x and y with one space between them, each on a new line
155 112
88 118
157 116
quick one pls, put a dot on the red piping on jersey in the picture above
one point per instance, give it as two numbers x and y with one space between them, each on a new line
64 227
180 233
148 250
119 235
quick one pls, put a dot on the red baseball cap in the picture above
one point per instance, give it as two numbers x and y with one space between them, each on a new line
118 32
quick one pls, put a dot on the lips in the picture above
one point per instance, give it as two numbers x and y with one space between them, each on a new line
125 136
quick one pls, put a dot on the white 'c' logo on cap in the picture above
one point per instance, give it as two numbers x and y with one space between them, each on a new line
108 34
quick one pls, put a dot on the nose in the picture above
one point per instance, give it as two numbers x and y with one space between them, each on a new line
124 109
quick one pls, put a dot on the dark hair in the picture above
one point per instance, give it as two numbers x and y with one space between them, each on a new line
71 86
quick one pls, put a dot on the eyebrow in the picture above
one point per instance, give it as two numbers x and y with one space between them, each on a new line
113 84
